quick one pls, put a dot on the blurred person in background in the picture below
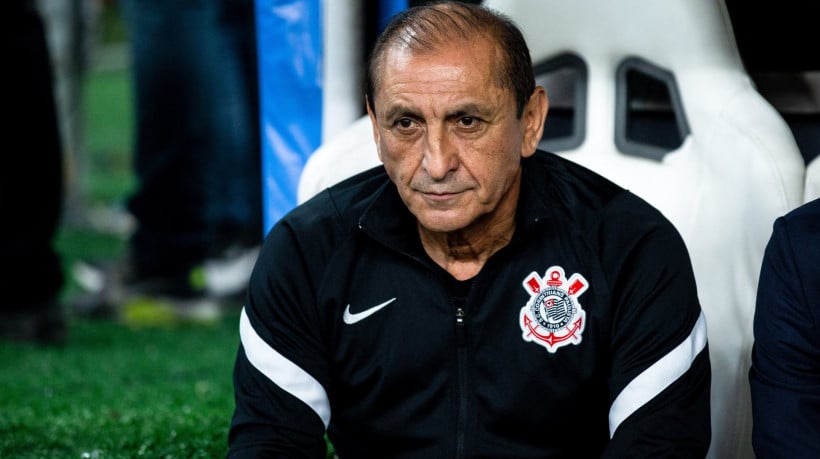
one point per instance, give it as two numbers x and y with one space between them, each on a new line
31 185
197 205
785 374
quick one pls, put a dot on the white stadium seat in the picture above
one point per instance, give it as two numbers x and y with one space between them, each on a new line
348 152
812 191
732 169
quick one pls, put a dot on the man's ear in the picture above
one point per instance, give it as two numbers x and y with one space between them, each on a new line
375 125
532 120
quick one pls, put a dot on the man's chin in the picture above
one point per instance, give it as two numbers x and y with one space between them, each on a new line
444 221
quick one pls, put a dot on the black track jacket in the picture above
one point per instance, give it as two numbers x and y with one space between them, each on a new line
581 338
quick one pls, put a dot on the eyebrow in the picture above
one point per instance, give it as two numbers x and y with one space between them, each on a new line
469 108
399 111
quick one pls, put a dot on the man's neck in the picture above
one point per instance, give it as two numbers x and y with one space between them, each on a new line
463 253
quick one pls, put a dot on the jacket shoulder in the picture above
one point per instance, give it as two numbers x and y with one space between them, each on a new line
339 207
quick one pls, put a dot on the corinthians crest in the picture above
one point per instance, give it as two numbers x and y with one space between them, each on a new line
553 317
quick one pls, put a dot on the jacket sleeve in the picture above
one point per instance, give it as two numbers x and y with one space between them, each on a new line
280 375
785 374
660 375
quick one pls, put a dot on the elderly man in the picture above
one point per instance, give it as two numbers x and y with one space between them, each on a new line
474 297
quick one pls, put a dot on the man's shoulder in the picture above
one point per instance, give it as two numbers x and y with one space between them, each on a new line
796 235
340 205
319 226
574 180
562 181
804 219
592 201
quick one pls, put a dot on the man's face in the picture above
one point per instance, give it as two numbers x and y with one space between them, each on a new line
448 135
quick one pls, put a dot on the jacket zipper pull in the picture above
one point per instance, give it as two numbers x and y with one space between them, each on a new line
460 315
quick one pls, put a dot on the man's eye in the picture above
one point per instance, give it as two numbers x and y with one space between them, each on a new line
404 123
468 121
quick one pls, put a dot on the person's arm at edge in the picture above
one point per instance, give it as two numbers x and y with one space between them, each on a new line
281 407
785 381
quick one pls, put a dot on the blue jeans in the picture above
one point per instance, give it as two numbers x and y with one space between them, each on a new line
197 152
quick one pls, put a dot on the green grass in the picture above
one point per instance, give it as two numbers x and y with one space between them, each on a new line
114 392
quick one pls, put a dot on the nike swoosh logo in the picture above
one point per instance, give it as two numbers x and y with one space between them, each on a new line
351 319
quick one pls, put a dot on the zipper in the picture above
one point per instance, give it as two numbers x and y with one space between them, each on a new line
460 315
461 354
461 363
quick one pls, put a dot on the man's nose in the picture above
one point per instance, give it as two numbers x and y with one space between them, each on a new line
440 153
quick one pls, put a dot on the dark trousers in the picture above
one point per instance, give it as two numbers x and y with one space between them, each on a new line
197 151
31 180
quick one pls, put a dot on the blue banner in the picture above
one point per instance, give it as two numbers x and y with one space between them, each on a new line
289 47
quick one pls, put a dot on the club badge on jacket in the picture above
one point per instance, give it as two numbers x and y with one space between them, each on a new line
553 317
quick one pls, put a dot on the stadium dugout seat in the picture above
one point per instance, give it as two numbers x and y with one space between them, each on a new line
663 107
347 153
812 190
653 95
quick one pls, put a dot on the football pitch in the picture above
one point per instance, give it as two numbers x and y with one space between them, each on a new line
114 390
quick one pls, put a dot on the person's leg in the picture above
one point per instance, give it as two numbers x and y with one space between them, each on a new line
236 201
175 65
198 201
31 183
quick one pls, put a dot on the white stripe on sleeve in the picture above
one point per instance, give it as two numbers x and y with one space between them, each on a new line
658 377
282 371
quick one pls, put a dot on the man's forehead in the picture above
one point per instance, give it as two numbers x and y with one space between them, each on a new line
441 43
446 60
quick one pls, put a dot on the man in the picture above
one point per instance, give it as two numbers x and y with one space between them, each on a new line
785 374
473 297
